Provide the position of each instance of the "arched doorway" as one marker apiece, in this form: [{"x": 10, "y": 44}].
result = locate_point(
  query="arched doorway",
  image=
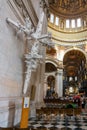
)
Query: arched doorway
[
  {"x": 74, "y": 63},
  {"x": 49, "y": 86}
]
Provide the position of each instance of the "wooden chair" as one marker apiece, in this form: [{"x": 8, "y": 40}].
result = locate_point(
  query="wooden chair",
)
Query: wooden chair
[
  {"x": 8, "y": 128},
  {"x": 34, "y": 129},
  {"x": 77, "y": 111},
  {"x": 39, "y": 113},
  {"x": 69, "y": 112},
  {"x": 61, "y": 112},
  {"x": 16, "y": 128},
  {"x": 41, "y": 128},
  {"x": 54, "y": 128},
  {"x": 66, "y": 128}
]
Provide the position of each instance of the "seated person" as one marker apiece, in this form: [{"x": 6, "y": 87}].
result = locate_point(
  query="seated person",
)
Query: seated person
[{"x": 69, "y": 106}]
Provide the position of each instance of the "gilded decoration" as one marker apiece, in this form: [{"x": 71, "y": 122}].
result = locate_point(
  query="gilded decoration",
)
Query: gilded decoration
[
  {"x": 72, "y": 5},
  {"x": 51, "y": 51},
  {"x": 21, "y": 8},
  {"x": 69, "y": 7}
]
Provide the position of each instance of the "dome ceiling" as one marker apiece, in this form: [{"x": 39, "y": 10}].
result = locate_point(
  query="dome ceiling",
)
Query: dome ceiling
[{"x": 68, "y": 8}]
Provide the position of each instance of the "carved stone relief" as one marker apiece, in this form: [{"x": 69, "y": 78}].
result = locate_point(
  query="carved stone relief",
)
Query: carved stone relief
[
  {"x": 69, "y": 8},
  {"x": 21, "y": 8},
  {"x": 71, "y": 5}
]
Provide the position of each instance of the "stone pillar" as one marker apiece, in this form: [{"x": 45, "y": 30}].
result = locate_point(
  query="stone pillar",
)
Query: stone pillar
[
  {"x": 59, "y": 82},
  {"x": 80, "y": 2},
  {"x": 60, "y": 2},
  {"x": 45, "y": 86}
]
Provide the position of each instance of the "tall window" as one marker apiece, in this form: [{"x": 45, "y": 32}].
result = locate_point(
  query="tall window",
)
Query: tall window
[
  {"x": 51, "y": 18},
  {"x": 73, "y": 23},
  {"x": 57, "y": 21},
  {"x": 70, "y": 78},
  {"x": 75, "y": 78},
  {"x": 67, "y": 23},
  {"x": 79, "y": 22}
]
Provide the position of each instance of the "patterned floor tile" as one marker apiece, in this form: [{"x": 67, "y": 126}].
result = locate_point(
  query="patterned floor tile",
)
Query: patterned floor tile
[{"x": 61, "y": 123}]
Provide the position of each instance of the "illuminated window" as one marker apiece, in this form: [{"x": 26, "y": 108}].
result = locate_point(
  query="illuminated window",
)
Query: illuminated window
[
  {"x": 79, "y": 22},
  {"x": 57, "y": 21},
  {"x": 75, "y": 78},
  {"x": 67, "y": 23},
  {"x": 70, "y": 78},
  {"x": 51, "y": 18},
  {"x": 73, "y": 23}
]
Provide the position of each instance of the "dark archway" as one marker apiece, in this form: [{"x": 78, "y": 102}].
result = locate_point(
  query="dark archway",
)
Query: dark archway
[{"x": 49, "y": 67}]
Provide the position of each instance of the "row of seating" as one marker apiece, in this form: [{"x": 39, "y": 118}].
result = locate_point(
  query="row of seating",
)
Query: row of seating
[
  {"x": 58, "y": 101},
  {"x": 58, "y": 111},
  {"x": 13, "y": 128},
  {"x": 34, "y": 128}
]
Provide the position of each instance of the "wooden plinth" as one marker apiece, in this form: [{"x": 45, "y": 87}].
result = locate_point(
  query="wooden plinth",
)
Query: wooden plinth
[{"x": 25, "y": 113}]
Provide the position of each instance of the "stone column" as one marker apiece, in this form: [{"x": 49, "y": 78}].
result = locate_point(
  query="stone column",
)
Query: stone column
[
  {"x": 56, "y": 82},
  {"x": 80, "y": 2},
  {"x": 59, "y": 82},
  {"x": 45, "y": 86},
  {"x": 60, "y": 2},
  {"x": 37, "y": 82}
]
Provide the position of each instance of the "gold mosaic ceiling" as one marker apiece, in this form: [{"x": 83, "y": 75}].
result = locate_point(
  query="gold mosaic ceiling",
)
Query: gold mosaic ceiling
[{"x": 68, "y": 8}]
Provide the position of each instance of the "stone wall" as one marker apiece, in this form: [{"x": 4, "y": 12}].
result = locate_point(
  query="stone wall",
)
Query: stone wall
[
  {"x": 11, "y": 68},
  {"x": 12, "y": 49}
]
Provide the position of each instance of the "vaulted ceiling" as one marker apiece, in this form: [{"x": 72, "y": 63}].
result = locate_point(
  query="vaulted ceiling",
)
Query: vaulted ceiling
[{"x": 72, "y": 62}]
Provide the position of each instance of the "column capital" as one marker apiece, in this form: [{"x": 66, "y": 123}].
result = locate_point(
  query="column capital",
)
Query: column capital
[{"x": 59, "y": 72}]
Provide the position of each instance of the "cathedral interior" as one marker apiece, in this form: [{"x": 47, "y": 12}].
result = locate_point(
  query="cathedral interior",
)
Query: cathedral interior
[{"x": 43, "y": 68}]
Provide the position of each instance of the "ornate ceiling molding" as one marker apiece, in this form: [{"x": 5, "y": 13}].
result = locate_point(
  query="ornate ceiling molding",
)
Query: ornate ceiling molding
[
  {"x": 69, "y": 8},
  {"x": 31, "y": 11},
  {"x": 74, "y": 40},
  {"x": 23, "y": 9},
  {"x": 70, "y": 42},
  {"x": 68, "y": 30},
  {"x": 68, "y": 39}
]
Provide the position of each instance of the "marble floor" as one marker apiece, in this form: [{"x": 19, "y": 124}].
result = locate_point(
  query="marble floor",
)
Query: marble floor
[{"x": 60, "y": 123}]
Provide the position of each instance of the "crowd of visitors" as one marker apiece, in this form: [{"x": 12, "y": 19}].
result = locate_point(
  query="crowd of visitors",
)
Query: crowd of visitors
[{"x": 80, "y": 100}]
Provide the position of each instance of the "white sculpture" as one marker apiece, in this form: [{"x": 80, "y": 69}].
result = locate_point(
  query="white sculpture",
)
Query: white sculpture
[
  {"x": 27, "y": 29},
  {"x": 33, "y": 57}
]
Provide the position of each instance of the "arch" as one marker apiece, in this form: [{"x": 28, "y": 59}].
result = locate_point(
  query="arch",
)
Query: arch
[
  {"x": 52, "y": 62},
  {"x": 50, "y": 66},
  {"x": 72, "y": 60},
  {"x": 75, "y": 48}
]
